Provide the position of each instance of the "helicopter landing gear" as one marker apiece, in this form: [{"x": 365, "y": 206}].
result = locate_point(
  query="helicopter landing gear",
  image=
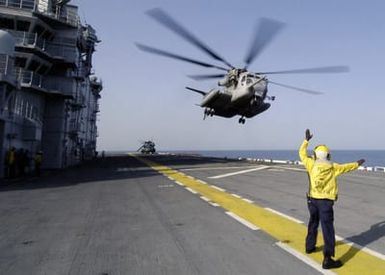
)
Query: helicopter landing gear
[
  {"x": 242, "y": 120},
  {"x": 209, "y": 112}
]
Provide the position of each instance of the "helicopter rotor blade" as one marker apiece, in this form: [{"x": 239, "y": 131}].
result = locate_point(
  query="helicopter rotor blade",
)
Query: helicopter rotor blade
[
  {"x": 166, "y": 20},
  {"x": 264, "y": 34},
  {"x": 307, "y": 91},
  {"x": 203, "y": 93},
  {"x": 179, "y": 57},
  {"x": 206, "y": 76},
  {"x": 328, "y": 69}
]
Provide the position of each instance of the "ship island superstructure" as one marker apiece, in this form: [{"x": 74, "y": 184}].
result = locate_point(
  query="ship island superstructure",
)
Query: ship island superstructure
[{"x": 48, "y": 91}]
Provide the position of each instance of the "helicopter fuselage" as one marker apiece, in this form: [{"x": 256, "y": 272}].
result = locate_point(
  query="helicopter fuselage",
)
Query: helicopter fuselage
[{"x": 242, "y": 96}]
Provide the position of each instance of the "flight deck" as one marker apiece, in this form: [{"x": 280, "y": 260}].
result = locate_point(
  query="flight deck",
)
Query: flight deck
[{"x": 183, "y": 214}]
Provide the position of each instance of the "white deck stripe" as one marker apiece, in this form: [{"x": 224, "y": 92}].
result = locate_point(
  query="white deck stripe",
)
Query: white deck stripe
[
  {"x": 192, "y": 191},
  {"x": 291, "y": 168},
  {"x": 177, "y": 182},
  {"x": 303, "y": 258},
  {"x": 218, "y": 188},
  {"x": 284, "y": 215},
  {"x": 204, "y": 198},
  {"x": 217, "y": 168},
  {"x": 237, "y": 196},
  {"x": 242, "y": 221},
  {"x": 239, "y": 172},
  {"x": 247, "y": 200},
  {"x": 201, "y": 181},
  {"x": 367, "y": 250},
  {"x": 213, "y": 204},
  {"x": 124, "y": 169}
]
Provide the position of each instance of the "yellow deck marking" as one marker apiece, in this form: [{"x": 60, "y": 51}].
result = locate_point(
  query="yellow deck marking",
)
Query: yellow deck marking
[{"x": 292, "y": 234}]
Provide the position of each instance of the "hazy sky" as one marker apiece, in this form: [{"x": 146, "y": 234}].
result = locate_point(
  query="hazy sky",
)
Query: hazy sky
[{"x": 144, "y": 96}]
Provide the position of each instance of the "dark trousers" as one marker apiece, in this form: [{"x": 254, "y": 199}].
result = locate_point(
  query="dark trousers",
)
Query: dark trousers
[{"x": 321, "y": 210}]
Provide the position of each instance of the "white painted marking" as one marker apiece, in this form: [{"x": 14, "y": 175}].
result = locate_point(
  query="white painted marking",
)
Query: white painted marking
[
  {"x": 242, "y": 221},
  {"x": 165, "y": 185},
  {"x": 247, "y": 200},
  {"x": 190, "y": 177},
  {"x": 284, "y": 215},
  {"x": 303, "y": 258},
  {"x": 367, "y": 250},
  {"x": 179, "y": 183},
  {"x": 237, "y": 196},
  {"x": 276, "y": 170},
  {"x": 292, "y": 168},
  {"x": 213, "y": 204},
  {"x": 218, "y": 188},
  {"x": 124, "y": 169},
  {"x": 192, "y": 191},
  {"x": 130, "y": 169},
  {"x": 218, "y": 168},
  {"x": 170, "y": 178},
  {"x": 201, "y": 181},
  {"x": 204, "y": 198},
  {"x": 239, "y": 172}
]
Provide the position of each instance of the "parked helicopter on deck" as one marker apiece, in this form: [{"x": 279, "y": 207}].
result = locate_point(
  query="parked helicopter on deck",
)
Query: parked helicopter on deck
[
  {"x": 241, "y": 92},
  {"x": 147, "y": 147}
]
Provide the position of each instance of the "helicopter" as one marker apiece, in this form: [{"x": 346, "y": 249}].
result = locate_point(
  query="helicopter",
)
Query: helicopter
[
  {"x": 148, "y": 147},
  {"x": 240, "y": 92}
]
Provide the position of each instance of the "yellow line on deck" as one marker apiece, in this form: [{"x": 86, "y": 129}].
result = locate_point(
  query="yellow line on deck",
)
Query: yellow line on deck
[{"x": 356, "y": 261}]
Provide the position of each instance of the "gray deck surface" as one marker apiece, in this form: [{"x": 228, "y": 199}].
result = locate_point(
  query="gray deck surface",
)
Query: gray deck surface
[{"x": 95, "y": 219}]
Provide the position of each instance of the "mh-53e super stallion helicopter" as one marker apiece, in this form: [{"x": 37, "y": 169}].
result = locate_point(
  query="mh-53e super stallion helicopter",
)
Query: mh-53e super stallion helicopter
[
  {"x": 243, "y": 93},
  {"x": 147, "y": 147}
]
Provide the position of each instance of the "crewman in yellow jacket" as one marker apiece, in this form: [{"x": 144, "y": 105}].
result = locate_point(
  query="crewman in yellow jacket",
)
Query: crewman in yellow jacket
[{"x": 323, "y": 191}]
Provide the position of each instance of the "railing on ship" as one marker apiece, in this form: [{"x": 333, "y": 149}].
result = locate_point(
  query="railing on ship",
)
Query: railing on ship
[
  {"x": 6, "y": 65},
  {"x": 63, "y": 47},
  {"x": 51, "y": 84},
  {"x": 66, "y": 14}
]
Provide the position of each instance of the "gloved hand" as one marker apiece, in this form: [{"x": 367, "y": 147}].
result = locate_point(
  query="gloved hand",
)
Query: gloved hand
[
  {"x": 360, "y": 162},
  {"x": 308, "y": 136}
]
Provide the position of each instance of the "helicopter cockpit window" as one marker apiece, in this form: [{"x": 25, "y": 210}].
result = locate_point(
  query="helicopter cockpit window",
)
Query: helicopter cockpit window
[
  {"x": 243, "y": 79},
  {"x": 248, "y": 81}
]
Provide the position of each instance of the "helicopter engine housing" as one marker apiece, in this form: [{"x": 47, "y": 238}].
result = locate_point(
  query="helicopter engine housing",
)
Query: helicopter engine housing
[{"x": 209, "y": 97}]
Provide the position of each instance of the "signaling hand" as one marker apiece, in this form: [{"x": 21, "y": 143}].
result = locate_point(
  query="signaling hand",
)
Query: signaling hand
[
  {"x": 308, "y": 136},
  {"x": 360, "y": 162}
]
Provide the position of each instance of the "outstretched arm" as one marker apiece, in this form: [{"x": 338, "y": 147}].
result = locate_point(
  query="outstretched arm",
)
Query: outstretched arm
[
  {"x": 347, "y": 167},
  {"x": 308, "y": 136},
  {"x": 307, "y": 162}
]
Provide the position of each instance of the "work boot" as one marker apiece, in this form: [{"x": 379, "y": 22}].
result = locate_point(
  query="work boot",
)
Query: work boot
[
  {"x": 330, "y": 263},
  {"x": 309, "y": 251}
]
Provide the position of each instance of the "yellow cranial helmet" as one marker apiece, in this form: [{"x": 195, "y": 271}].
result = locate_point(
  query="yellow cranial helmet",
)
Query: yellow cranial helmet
[{"x": 322, "y": 152}]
